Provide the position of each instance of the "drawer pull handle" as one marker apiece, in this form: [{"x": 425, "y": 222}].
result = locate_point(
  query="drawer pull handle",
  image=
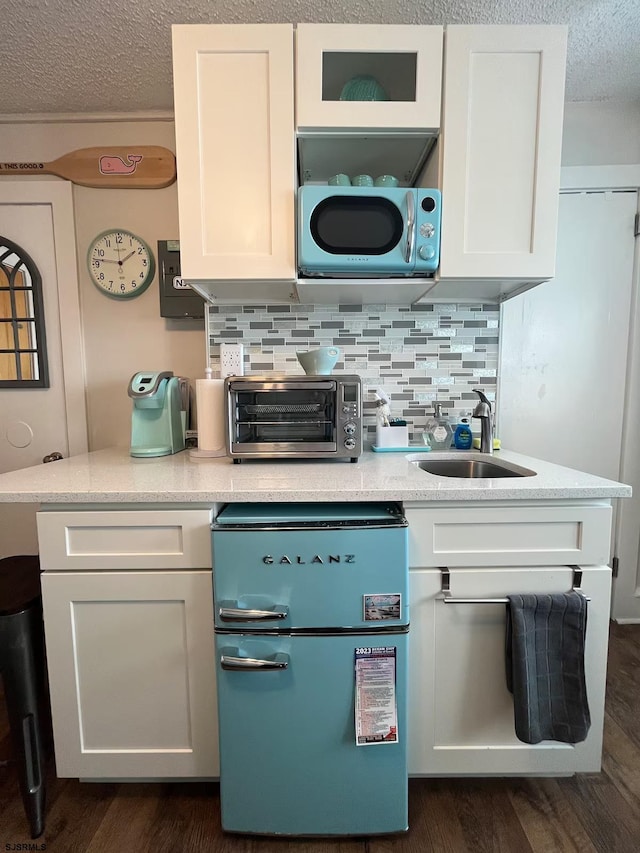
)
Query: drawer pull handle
[
  {"x": 239, "y": 614},
  {"x": 231, "y": 662}
]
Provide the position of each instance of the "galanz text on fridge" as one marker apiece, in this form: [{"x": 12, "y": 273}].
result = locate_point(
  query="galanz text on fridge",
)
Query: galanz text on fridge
[{"x": 299, "y": 561}]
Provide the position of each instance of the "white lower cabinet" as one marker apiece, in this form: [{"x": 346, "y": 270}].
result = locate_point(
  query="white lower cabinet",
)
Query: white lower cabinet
[
  {"x": 130, "y": 658},
  {"x": 130, "y": 646},
  {"x": 461, "y": 719}
]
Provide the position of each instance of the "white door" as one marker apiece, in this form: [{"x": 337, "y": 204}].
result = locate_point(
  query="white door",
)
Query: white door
[
  {"x": 565, "y": 344},
  {"x": 37, "y": 216}
]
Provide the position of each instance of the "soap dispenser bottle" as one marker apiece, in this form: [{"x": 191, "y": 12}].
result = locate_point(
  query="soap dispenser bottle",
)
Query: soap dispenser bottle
[
  {"x": 462, "y": 437},
  {"x": 438, "y": 432}
]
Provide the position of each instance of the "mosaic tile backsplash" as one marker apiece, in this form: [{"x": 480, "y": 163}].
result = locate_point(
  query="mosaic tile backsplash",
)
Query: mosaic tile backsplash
[{"x": 418, "y": 354}]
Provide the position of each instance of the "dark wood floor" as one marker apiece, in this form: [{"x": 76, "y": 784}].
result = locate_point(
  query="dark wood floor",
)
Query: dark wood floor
[{"x": 594, "y": 812}]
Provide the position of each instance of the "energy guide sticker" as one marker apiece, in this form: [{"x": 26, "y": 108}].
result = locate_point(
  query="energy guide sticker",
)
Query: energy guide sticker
[{"x": 376, "y": 703}]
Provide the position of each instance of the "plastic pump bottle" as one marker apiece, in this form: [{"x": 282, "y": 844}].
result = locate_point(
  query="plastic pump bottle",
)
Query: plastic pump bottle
[
  {"x": 462, "y": 437},
  {"x": 438, "y": 433}
]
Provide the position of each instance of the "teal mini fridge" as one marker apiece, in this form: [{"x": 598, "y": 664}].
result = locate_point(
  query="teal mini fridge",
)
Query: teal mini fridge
[{"x": 312, "y": 621}]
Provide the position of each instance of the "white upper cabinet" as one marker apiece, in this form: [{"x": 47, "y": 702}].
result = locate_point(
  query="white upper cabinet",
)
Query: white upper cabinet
[
  {"x": 235, "y": 143},
  {"x": 500, "y": 149},
  {"x": 240, "y": 155},
  {"x": 399, "y": 65}
]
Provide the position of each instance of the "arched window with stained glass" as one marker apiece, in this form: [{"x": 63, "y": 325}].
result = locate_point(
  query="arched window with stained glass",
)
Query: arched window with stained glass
[{"x": 23, "y": 351}]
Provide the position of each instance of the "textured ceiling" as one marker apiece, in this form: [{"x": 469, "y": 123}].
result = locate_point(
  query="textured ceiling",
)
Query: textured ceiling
[{"x": 93, "y": 56}]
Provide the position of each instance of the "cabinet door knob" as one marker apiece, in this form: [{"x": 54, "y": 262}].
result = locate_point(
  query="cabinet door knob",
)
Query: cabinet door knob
[{"x": 52, "y": 457}]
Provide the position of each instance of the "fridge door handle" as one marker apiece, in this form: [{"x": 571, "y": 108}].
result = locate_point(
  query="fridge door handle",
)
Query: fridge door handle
[
  {"x": 278, "y": 661},
  {"x": 240, "y": 614}
]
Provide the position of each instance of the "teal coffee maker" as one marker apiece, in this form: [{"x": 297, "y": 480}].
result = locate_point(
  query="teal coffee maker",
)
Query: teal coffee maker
[{"x": 160, "y": 408}]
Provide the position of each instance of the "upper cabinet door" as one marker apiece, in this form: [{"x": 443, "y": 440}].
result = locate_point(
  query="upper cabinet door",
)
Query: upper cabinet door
[
  {"x": 402, "y": 64},
  {"x": 233, "y": 94},
  {"x": 501, "y": 138}
]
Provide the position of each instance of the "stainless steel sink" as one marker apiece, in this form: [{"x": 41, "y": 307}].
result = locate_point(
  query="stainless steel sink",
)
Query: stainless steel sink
[{"x": 476, "y": 466}]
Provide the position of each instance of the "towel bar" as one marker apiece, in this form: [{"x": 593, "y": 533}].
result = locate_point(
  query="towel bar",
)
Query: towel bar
[{"x": 448, "y": 599}]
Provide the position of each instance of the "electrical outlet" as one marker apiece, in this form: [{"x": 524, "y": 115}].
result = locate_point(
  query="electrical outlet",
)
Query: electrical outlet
[{"x": 231, "y": 360}]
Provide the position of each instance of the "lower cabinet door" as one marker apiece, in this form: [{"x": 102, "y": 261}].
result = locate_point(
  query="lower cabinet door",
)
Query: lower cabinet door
[
  {"x": 130, "y": 657},
  {"x": 461, "y": 717}
]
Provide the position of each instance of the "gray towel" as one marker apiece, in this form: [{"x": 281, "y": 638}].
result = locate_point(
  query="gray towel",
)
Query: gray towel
[{"x": 545, "y": 666}]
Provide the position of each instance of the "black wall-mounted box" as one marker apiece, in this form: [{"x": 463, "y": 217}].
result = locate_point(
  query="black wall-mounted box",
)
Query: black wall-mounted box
[{"x": 176, "y": 297}]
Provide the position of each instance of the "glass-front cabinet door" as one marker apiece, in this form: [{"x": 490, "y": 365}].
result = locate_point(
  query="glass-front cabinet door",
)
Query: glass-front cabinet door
[{"x": 382, "y": 77}]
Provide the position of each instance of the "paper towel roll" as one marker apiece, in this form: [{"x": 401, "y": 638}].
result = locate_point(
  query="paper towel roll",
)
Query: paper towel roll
[{"x": 210, "y": 409}]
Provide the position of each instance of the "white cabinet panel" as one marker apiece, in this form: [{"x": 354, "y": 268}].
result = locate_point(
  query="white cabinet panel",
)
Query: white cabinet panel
[
  {"x": 502, "y": 134},
  {"x": 233, "y": 93},
  {"x": 405, "y": 60},
  {"x": 131, "y": 671},
  {"x": 504, "y": 535},
  {"x": 125, "y": 539},
  {"x": 461, "y": 718}
]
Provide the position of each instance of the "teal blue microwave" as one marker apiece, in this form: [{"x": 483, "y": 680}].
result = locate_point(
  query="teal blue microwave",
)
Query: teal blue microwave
[{"x": 368, "y": 231}]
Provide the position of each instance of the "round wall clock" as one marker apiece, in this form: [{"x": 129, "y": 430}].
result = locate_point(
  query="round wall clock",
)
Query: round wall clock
[{"x": 120, "y": 263}]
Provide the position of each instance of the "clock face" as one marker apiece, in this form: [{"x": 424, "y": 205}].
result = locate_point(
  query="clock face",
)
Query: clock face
[{"x": 120, "y": 264}]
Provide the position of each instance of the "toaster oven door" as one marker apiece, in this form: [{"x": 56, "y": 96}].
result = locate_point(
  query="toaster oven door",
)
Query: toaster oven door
[{"x": 281, "y": 419}]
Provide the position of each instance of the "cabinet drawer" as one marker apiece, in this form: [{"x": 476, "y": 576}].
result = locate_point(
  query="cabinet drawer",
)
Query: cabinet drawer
[
  {"x": 131, "y": 539},
  {"x": 507, "y": 536}
]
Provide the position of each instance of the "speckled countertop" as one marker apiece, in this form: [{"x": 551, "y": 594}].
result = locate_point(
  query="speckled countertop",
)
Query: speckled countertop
[{"x": 112, "y": 476}]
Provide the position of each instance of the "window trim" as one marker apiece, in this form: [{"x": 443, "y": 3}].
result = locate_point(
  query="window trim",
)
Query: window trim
[{"x": 8, "y": 247}]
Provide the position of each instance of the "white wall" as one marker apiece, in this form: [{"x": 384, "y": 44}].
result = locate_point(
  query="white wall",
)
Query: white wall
[
  {"x": 601, "y": 134},
  {"x": 120, "y": 338}
]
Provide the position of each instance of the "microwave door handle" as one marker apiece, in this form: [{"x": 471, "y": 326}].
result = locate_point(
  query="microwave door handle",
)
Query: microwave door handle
[{"x": 411, "y": 230}]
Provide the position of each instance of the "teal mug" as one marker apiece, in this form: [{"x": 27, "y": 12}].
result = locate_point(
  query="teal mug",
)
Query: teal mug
[
  {"x": 362, "y": 181},
  {"x": 340, "y": 180},
  {"x": 386, "y": 181}
]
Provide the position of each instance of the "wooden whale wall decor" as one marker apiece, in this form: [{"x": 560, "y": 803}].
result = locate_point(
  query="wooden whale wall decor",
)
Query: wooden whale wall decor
[{"x": 139, "y": 167}]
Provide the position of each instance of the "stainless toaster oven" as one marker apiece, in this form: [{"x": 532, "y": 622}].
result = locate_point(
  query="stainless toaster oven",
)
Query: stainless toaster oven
[{"x": 271, "y": 417}]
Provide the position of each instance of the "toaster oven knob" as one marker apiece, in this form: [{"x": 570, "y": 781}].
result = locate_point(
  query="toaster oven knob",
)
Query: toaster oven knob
[
  {"x": 350, "y": 428},
  {"x": 427, "y": 229},
  {"x": 350, "y": 443},
  {"x": 427, "y": 253}
]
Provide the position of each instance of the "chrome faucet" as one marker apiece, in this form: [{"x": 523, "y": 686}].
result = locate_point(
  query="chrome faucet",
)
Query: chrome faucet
[{"x": 483, "y": 412}]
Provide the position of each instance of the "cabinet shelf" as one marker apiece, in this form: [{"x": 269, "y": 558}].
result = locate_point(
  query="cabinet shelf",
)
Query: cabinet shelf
[
  {"x": 357, "y": 291},
  {"x": 321, "y": 155},
  {"x": 362, "y": 291}
]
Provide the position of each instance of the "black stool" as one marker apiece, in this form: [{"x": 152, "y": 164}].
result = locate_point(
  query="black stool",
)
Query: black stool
[{"x": 22, "y": 670}]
